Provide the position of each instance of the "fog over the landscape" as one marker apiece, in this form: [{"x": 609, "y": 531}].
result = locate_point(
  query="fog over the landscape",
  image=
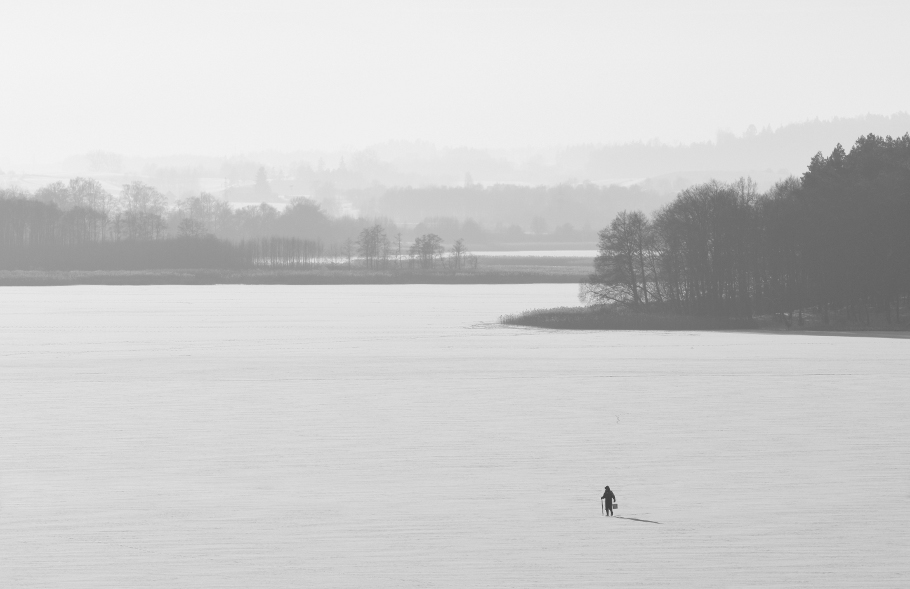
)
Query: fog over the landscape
[
  {"x": 344, "y": 102},
  {"x": 236, "y": 78},
  {"x": 466, "y": 118}
]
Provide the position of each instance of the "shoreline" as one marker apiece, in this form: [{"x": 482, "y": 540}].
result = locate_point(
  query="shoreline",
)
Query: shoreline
[
  {"x": 880, "y": 333},
  {"x": 872, "y": 333},
  {"x": 279, "y": 277},
  {"x": 588, "y": 319}
]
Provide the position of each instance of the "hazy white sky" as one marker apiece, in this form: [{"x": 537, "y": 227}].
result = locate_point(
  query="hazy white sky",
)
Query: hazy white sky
[{"x": 224, "y": 77}]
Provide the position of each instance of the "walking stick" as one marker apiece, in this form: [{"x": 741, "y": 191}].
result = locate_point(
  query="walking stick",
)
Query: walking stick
[{"x": 602, "y": 508}]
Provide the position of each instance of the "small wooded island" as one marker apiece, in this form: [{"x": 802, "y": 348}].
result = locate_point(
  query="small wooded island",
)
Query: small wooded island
[{"x": 827, "y": 251}]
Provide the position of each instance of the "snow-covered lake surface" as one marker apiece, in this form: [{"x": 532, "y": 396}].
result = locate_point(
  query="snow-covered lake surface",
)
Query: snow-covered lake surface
[{"x": 394, "y": 436}]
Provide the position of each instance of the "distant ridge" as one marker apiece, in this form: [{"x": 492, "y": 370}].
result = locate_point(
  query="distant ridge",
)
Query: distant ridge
[
  {"x": 764, "y": 154},
  {"x": 782, "y": 151}
]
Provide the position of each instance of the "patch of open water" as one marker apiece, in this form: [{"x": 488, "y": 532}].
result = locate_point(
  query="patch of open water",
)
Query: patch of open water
[{"x": 539, "y": 254}]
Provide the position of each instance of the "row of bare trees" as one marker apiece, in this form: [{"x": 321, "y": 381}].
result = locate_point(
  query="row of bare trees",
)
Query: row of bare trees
[
  {"x": 58, "y": 230},
  {"x": 81, "y": 212},
  {"x": 281, "y": 252},
  {"x": 372, "y": 250},
  {"x": 836, "y": 239},
  {"x": 376, "y": 250},
  {"x": 86, "y": 212},
  {"x": 35, "y": 230}
]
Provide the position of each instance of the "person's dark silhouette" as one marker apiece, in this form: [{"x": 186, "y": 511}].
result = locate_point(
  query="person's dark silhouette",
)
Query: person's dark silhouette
[{"x": 608, "y": 498}]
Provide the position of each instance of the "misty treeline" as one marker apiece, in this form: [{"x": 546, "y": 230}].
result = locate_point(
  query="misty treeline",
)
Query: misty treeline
[
  {"x": 372, "y": 250},
  {"x": 493, "y": 216},
  {"x": 377, "y": 250},
  {"x": 835, "y": 240},
  {"x": 511, "y": 213},
  {"x": 360, "y": 175},
  {"x": 141, "y": 211},
  {"x": 79, "y": 225},
  {"x": 755, "y": 149}
]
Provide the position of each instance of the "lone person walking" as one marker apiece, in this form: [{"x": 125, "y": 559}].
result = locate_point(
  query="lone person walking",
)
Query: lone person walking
[{"x": 608, "y": 498}]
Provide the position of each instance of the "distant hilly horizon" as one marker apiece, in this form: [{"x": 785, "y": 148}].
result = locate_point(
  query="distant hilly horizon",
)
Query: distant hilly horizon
[{"x": 766, "y": 155}]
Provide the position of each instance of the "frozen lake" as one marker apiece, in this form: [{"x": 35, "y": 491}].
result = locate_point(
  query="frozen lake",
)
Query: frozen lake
[{"x": 394, "y": 436}]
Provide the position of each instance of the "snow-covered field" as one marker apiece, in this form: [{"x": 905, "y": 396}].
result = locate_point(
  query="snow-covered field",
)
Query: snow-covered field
[{"x": 394, "y": 436}]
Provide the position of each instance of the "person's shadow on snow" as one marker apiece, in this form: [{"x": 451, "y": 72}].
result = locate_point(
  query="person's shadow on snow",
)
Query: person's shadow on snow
[{"x": 635, "y": 519}]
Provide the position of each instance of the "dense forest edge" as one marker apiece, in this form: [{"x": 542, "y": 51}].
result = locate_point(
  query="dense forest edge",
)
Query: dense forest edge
[{"x": 827, "y": 251}]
